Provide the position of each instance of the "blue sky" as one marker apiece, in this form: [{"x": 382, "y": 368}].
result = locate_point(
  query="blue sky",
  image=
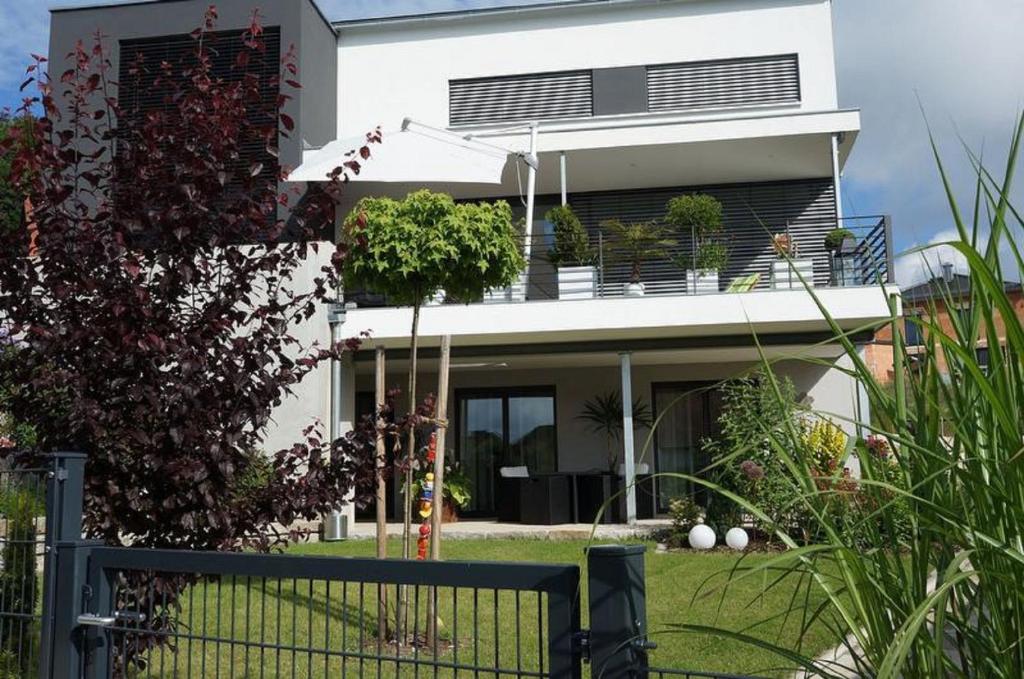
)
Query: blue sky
[{"x": 958, "y": 60}]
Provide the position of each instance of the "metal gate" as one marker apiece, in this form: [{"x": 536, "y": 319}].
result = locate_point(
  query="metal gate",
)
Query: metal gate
[{"x": 111, "y": 612}]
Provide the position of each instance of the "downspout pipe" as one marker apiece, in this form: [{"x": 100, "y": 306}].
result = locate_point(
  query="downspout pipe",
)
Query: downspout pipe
[{"x": 334, "y": 528}]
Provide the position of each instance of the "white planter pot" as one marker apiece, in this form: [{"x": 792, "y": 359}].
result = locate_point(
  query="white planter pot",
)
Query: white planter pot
[
  {"x": 437, "y": 299},
  {"x": 701, "y": 282},
  {"x": 633, "y": 290},
  {"x": 784, "y": 274},
  {"x": 577, "y": 282},
  {"x": 514, "y": 293}
]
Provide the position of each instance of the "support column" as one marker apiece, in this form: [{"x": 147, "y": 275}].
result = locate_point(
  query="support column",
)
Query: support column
[
  {"x": 565, "y": 189},
  {"x": 837, "y": 175},
  {"x": 347, "y": 418},
  {"x": 863, "y": 401},
  {"x": 629, "y": 464},
  {"x": 343, "y": 404}
]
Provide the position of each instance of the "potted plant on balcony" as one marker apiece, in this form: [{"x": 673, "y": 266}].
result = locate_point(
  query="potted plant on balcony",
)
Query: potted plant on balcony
[
  {"x": 516, "y": 291},
  {"x": 789, "y": 268},
  {"x": 636, "y": 243},
  {"x": 572, "y": 255},
  {"x": 701, "y": 216}
]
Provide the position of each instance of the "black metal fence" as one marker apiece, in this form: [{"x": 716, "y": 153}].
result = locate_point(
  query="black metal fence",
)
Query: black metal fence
[
  {"x": 111, "y": 612},
  {"x": 286, "y": 616},
  {"x": 24, "y": 547}
]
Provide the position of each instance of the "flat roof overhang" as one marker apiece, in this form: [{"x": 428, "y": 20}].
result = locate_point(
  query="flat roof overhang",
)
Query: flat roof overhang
[
  {"x": 668, "y": 323},
  {"x": 657, "y": 150},
  {"x": 500, "y": 359}
]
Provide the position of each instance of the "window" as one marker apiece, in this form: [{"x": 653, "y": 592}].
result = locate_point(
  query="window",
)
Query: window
[
  {"x": 963, "y": 312},
  {"x": 139, "y": 95},
  {"x": 521, "y": 97},
  {"x": 504, "y": 427},
  {"x": 912, "y": 330},
  {"x": 982, "y": 356},
  {"x": 724, "y": 83}
]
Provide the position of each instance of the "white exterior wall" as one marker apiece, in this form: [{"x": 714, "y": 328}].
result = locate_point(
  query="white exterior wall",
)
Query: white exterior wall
[
  {"x": 311, "y": 401},
  {"x": 393, "y": 70}
]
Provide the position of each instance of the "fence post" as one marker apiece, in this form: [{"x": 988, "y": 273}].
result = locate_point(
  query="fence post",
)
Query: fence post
[
  {"x": 64, "y": 568},
  {"x": 618, "y": 611},
  {"x": 564, "y": 656},
  {"x": 890, "y": 262}
]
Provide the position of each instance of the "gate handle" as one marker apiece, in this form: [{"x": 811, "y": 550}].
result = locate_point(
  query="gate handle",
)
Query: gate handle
[{"x": 93, "y": 620}]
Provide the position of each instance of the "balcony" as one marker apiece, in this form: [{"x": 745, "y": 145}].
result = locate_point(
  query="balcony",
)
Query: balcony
[{"x": 864, "y": 260}]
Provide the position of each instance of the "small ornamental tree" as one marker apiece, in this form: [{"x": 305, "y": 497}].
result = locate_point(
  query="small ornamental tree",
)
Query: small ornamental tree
[
  {"x": 410, "y": 249},
  {"x": 12, "y": 202},
  {"x": 154, "y": 318}
]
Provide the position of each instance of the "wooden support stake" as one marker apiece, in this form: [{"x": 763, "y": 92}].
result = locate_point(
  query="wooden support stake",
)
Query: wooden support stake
[
  {"x": 382, "y": 461},
  {"x": 436, "y": 518},
  {"x": 442, "y": 431}
]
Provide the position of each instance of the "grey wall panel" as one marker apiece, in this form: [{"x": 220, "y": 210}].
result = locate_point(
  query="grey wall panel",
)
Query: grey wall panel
[{"x": 620, "y": 90}]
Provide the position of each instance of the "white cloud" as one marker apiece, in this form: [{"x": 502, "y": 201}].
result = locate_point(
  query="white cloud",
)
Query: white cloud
[
  {"x": 963, "y": 60},
  {"x": 917, "y": 267}
]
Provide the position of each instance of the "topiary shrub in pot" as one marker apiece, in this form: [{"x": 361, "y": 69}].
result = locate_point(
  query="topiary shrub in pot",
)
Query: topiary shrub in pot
[
  {"x": 572, "y": 255},
  {"x": 700, "y": 216},
  {"x": 841, "y": 244}
]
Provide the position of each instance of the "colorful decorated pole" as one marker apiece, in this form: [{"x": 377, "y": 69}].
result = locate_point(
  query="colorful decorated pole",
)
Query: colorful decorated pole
[{"x": 427, "y": 501}]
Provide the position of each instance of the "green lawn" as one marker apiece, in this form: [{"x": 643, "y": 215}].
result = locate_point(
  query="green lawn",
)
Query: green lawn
[{"x": 239, "y": 615}]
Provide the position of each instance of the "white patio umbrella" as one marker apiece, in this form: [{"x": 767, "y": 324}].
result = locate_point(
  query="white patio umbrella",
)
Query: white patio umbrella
[{"x": 417, "y": 153}]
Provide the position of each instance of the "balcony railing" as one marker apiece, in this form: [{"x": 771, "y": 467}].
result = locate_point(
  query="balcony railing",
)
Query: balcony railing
[{"x": 865, "y": 259}]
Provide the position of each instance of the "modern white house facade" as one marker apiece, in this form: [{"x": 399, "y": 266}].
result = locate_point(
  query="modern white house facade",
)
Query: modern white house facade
[{"x": 614, "y": 107}]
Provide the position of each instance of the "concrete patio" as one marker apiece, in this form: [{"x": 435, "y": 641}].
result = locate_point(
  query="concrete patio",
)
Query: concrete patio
[{"x": 490, "y": 529}]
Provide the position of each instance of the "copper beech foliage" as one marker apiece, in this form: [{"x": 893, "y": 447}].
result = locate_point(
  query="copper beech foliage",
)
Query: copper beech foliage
[{"x": 154, "y": 316}]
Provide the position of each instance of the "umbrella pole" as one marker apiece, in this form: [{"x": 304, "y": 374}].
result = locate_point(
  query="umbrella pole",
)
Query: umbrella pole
[{"x": 531, "y": 191}]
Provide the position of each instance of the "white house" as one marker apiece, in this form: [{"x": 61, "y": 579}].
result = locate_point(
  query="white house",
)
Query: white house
[{"x": 632, "y": 102}]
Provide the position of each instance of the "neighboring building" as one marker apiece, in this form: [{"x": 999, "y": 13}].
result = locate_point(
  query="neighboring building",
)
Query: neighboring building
[
  {"x": 929, "y": 300},
  {"x": 637, "y": 102}
]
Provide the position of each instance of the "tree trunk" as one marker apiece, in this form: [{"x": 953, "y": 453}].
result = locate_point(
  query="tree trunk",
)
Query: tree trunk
[{"x": 382, "y": 526}]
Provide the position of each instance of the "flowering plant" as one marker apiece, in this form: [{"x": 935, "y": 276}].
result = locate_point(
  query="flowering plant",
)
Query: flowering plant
[{"x": 784, "y": 246}]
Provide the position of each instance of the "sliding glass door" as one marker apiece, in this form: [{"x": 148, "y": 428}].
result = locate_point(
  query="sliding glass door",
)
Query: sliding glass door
[
  {"x": 504, "y": 428},
  {"x": 689, "y": 416}
]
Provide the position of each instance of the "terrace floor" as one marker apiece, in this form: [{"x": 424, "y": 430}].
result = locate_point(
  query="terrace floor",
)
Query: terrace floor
[{"x": 486, "y": 529}]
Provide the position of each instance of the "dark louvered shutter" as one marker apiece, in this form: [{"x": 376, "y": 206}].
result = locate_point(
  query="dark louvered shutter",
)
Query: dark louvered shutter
[
  {"x": 751, "y": 212},
  {"x": 521, "y": 97},
  {"x": 138, "y": 96},
  {"x": 723, "y": 83}
]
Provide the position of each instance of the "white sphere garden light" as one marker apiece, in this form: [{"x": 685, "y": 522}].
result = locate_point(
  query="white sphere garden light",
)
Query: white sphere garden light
[
  {"x": 737, "y": 539},
  {"x": 702, "y": 537}
]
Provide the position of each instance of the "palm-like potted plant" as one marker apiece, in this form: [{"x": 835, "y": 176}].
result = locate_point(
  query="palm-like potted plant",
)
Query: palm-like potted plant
[
  {"x": 789, "y": 268},
  {"x": 603, "y": 415},
  {"x": 636, "y": 243},
  {"x": 701, "y": 216},
  {"x": 572, "y": 255}
]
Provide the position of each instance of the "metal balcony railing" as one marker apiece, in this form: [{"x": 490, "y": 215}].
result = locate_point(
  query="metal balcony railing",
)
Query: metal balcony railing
[{"x": 865, "y": 259}]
